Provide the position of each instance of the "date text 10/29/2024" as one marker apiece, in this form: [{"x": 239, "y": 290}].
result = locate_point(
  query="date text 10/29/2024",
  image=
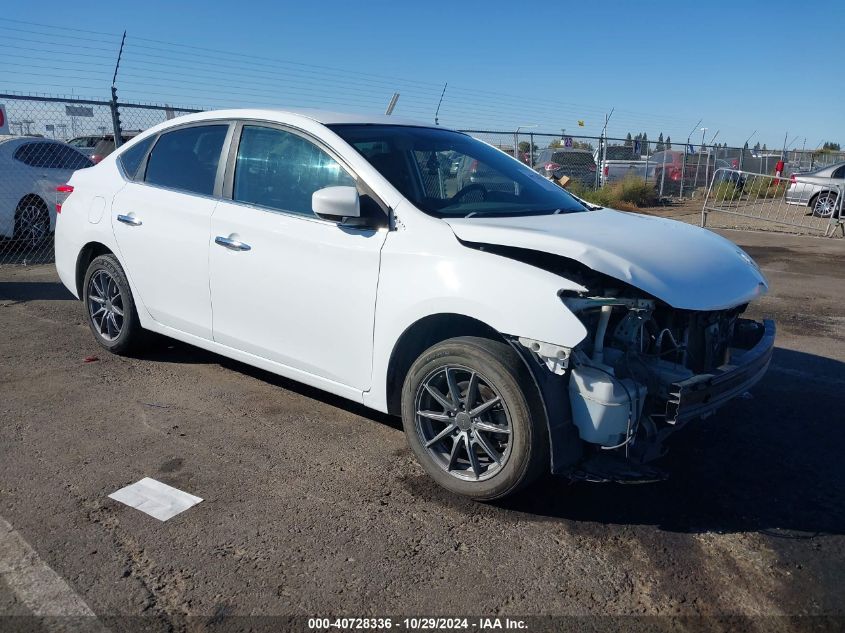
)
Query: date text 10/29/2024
[{"x": 417, "y": 624}]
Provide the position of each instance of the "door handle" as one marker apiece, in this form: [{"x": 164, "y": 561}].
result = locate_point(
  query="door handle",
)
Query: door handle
[
  {"x": 131, "y": 220},
  {"x": 232, "y": 245}
]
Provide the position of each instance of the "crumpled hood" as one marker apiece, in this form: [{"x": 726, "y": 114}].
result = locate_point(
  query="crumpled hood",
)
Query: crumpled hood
[{"x": 686, "y": 266}]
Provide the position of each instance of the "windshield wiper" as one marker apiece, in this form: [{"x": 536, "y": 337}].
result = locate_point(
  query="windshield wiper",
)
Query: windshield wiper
[{"x": 513, "y": 214}]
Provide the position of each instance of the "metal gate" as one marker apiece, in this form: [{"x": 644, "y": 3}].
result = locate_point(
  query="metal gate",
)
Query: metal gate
[{"x": 807, "y": 204}]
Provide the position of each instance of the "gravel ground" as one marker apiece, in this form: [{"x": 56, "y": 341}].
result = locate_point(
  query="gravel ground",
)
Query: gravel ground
[{"x": 315, "y": 506}]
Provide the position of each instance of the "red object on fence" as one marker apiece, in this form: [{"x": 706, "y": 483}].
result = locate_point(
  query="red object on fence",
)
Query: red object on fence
[{"x": 778, "y": 171}]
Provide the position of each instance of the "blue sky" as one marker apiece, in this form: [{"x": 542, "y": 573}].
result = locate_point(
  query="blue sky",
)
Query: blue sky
[{"x": 774, "y": 67}]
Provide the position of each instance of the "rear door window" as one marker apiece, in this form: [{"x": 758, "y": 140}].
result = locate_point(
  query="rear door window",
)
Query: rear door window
[{"x": 187, "y": 159}]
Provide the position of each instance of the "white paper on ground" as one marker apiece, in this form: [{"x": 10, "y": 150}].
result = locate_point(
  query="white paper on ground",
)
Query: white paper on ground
[{"x": 155, "y": 498}]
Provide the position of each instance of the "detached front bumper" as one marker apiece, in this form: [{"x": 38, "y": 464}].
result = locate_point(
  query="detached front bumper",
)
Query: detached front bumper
[{"x": 699, "y": 396}]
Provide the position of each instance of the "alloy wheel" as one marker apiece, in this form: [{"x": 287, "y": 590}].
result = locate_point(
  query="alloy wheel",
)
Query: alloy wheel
[
  {"x": 463, "y": 423},
  {"x": 825, "y": 205},
  {"x": 105, "y": 305},
  {"x": 33, "y": 225}
]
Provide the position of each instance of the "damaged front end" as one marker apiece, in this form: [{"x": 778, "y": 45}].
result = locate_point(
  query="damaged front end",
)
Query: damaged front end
[{"x": 645, "y": 370}]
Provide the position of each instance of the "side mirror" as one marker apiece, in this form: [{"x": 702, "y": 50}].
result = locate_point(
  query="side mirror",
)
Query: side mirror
[{"x": 336, "y": 203}]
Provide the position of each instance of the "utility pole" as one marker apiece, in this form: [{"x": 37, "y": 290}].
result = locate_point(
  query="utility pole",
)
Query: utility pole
[
  {"x": 603, "y": 147},
  {"x": 742, "y": 151},
  {"x": 698, "y": 162},
  {"x": 684, "y": 165},
  {"x": 707, "y": 164}
]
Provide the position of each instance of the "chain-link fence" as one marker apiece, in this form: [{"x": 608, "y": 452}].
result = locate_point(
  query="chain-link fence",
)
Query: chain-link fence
[
  {"x": 804, "y": 204},
  {"x": 47, "y": 139},
  {"x": 678, "y": 170}
]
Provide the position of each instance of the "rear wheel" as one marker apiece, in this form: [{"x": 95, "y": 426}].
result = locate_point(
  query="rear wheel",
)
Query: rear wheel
[
  {"x": 32, "y": 222},
  {"x": 473, "y": 418},
  {"x": 109, "y": 306},
  {"x": 824, "y": 204}
]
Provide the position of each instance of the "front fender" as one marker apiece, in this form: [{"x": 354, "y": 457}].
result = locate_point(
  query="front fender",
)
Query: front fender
[{"x": 435, "y": 275}]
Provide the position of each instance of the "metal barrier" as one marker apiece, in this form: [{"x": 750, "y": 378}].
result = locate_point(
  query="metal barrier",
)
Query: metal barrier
[{"x": 811, "y": 204}]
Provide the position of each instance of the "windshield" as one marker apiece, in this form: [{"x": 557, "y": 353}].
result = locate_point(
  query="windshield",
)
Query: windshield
[{"x": 448, "y": 174}]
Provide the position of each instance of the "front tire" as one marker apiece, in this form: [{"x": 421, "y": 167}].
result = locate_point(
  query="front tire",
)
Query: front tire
[
  {"x": 473, "y": 418},
  {"x": 109, "y": 306}
]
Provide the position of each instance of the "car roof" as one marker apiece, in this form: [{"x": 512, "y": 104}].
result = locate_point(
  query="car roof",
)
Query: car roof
[
  {"x": 326, "y": 117},
  {"x": 5, "y": 138}
]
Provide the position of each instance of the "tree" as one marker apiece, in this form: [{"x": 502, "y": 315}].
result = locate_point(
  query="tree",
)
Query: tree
[
  {"x": 831, "y": 146},
  {"x": 764, "y": 147},
  {"x": 660, "y": 146},
  {"x": 555, "y": 143},
  {"x": 628, "y": 141},
  {"x": 757, "y": 146},
  {"x": 668, "y": 142},
  {"x": 525, "y": 147}
]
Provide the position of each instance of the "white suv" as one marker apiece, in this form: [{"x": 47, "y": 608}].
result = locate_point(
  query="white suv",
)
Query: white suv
[{"x": 514, "y": 330}]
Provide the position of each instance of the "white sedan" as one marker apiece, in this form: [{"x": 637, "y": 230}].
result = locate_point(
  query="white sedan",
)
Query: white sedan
[
  {"x": 30, "y": 169},
  {"x": 514, "y": 330}
]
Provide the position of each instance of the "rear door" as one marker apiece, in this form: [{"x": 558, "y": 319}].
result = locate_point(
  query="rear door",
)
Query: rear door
[{"x": 161, "y": 223}]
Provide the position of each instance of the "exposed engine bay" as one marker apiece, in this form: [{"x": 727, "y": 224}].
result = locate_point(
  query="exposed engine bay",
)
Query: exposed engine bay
[
  {"x": 646, "y": 368},
  {"x": 633, "y": 380}
]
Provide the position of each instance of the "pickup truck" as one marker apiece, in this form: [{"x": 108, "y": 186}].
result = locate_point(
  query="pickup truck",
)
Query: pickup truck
[{"x": 619, "y": 162}]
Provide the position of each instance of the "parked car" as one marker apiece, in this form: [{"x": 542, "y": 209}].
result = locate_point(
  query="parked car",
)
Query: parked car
[
  {"x": 818, "y": 189},
  {"x": 30, "y": 170},
  {"x": 668, "y": 167},
  {"x": 97, "y": 147},
  {"x": 558, "y": 162},
  {"x": 513, "y": 331}
]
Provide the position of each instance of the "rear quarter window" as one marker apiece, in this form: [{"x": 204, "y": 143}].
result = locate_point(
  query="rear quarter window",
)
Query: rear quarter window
[{"x": 130, "y": 160}]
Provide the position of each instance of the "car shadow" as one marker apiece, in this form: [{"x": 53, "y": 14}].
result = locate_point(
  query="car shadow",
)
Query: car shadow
[
  {"x": 772, "y": 462},
  {"x": 34, "y": 291}
]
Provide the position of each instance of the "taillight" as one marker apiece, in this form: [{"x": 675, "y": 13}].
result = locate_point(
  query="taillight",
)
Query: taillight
[
  {"x": 792, "y": 179},
  {"x": 473, "y": 166},
  {"x": 96, "y": 158},
  {"x": 604, "y": 171},
  {"x": 551, "y": 167},
  {"x": 62, "y": 192}
]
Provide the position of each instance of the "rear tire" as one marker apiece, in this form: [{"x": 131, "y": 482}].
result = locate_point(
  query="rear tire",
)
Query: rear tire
[
  {"x": 32, "y": 222},
  {"x": 474, "y": 419},
  {"x": 824, "y": 204},
  {"x": 110, "y": 307}
]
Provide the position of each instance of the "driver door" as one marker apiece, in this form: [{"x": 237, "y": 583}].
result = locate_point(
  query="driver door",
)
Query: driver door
[{"x": 293, "y": 288}]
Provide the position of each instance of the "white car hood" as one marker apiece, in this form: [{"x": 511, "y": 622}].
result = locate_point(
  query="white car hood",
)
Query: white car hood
[{"x": 686, "y": 266}]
